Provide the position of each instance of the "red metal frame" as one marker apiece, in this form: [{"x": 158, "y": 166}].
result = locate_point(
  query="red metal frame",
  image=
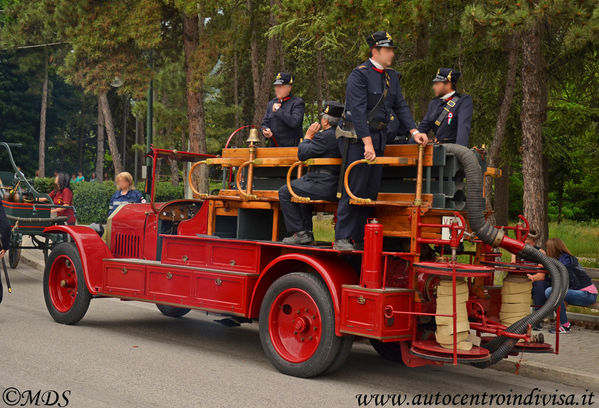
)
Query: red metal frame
[
  {"x": 156, "y": 153},
  {"x": 231, "y": 276},
  {"x": 91, "y": 250}
]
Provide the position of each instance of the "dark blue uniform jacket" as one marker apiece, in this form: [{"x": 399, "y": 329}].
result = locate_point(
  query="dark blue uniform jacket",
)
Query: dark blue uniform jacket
[
  {"x": 286, "y": 122},
  {"x": 320, "y": 180},
  {"x": 452, "y": 130},
  {"x": 365, "y": 86},
  {"x": 132, "y": 196}
]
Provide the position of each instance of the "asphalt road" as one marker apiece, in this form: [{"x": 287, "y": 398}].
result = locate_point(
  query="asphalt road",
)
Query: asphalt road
[{"x": 127, "y": 354}]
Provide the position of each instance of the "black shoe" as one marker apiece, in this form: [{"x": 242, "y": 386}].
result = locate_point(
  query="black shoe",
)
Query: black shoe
[
  {"x": 343, "y": 245},
  {"x": 537, "y": 327},
  {"x": 299, "y": 238},
  {"x": 562, "y": 329}
]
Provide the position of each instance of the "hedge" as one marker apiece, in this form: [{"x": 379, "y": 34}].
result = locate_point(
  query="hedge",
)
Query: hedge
[
  {"x": 44, "y": 185},
  {"x": 91, "y": 199}
]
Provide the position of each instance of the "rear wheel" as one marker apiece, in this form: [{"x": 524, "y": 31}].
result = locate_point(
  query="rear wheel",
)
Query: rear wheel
[
  {"x": 297, "y": 326},
  {"x": 65, "y": 292},
  {"x": 389, "y": 351},
  {"x": 14, "y": 256},
  {"x": 172, "y": 311}
]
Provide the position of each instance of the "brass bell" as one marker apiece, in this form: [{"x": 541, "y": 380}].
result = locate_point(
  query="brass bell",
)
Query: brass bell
[{"x": 253, "y": 137}]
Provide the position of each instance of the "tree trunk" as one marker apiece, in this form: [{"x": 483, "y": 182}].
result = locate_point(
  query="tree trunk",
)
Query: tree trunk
[
  {"x": 534, "y": 103},
  {"x": 261, "y": 82},
  {"x": 560, "y": 200},
  {"x": 109, "y": 126},
  {"x": 174, "y": 172},
  {"x": 319, "y": 74},
  {"x": 195, "y": 97},
  {"x": 43, "y": 111},
  {"x": 236, "y": 90},
  {"x": 81, "y": 139},
  {"x": 422, "y": 48},
  {"x": 512, "y": 49},
  {"x": 100, "y": 148},
  {"x": 502, "y": 197}
]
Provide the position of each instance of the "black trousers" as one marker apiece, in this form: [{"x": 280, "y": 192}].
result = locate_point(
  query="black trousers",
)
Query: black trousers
[
  {"x": 365, "y": 182},
  {"x": 298, "y": 217}
]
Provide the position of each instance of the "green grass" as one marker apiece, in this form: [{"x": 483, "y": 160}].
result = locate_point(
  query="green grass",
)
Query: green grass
[
  {"x": 581, "y": 238},
  {"x": 324, "y": 230}
]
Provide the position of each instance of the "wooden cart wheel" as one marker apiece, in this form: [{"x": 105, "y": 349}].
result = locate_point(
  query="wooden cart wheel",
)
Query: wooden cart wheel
[{"x": 14, "y": 256}]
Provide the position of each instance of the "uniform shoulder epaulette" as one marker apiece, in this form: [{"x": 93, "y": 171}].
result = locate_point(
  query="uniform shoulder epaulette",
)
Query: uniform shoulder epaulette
[{"x": 362, "y": 67}]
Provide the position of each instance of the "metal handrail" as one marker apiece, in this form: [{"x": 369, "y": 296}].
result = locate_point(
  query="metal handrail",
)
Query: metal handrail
[
  {"x": 321, "y": 161},
  {"x": 385, "y": 161}
]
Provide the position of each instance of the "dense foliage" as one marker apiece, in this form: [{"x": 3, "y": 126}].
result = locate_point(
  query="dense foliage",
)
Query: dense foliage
[{"x": 212, "y": 62}]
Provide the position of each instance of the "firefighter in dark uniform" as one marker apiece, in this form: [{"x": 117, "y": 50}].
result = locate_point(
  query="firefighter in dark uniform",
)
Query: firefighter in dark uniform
[
  {"x": 282, "y": 123},
  {"x": 450, "y": 113},
  {"x": 320, "y": 183},
  {"x": 369, "y": 83}
]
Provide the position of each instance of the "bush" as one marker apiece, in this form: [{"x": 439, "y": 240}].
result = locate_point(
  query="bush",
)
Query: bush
[
  {"x": 165, "y": 191},
  {"x": 91, "y": 201},
  {"x": 44, "y": 185}
]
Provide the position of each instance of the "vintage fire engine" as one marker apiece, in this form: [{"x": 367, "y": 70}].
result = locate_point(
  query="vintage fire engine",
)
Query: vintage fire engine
[{"x": 221, "y": 253}]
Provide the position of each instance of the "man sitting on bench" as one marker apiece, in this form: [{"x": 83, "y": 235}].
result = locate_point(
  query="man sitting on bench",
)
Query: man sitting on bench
[{"x": 320, "y": 183}]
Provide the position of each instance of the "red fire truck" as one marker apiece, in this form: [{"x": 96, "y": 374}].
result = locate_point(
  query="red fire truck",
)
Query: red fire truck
[{"x": 221, "y": 253}]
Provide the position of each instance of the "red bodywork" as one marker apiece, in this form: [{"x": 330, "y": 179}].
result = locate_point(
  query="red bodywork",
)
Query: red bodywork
[{"x": 160, "y": 253}]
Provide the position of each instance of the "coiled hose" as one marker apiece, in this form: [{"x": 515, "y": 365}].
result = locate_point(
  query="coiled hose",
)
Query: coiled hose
[{"x": 500, "y": 346}]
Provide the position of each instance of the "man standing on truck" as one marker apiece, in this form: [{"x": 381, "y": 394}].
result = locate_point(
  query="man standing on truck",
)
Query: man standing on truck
[
  {"x": 373, "y": 101},
  {"x": 320, "y": 183},
  {"x": 450, "y": 113},
  {"x": 282, "y": 123}
]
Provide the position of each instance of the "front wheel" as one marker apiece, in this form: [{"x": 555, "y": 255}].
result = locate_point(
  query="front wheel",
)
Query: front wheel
[
  {"x": 66, "y": 294},
  {"x": 172, "y": 311},
  {"x": 297, "y": 326}
]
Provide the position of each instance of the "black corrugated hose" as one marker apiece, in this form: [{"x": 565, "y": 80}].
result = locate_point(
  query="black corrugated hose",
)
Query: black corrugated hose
[{"x": 500, "y": 346}]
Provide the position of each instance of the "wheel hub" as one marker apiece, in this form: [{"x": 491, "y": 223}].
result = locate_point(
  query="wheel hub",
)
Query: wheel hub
[
  {"x": 294, "y": 323},
  {"x": 62, "y": 283}
]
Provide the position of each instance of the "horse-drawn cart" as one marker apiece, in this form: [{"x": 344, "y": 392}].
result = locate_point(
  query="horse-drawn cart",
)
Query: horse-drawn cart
[{"x": 28, "y": 210}]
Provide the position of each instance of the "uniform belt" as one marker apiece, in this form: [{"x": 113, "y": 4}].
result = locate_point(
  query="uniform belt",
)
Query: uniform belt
[
  {"x": 375, "y": 125},
  {"x": 444, "y": 140},
  {"x": 321, "y": 170}
]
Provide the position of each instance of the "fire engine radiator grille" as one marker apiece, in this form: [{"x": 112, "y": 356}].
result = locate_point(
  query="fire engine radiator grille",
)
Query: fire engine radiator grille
[{"x": 126, "y": 245}]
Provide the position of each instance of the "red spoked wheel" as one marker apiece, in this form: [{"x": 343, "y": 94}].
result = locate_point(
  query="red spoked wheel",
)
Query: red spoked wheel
[
  {"x": 295, "y": 322},
  {"x": 297, "y": 327},
  {"x": 65, "y": 292},
  {"x": 62, "y": 283}
]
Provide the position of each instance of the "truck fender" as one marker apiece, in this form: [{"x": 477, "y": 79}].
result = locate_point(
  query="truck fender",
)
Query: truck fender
[
  {"x": 333, "y": 270},
  {"x": 92, "y": 250}
]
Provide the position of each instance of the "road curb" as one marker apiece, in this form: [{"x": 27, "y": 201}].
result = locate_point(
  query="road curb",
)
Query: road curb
[
  {"x": 33, "y": 262},
  {"x": 540, "y": 371}
]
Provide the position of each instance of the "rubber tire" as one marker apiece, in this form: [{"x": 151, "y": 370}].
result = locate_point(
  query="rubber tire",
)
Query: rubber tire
[
  {"x": 388, "y": 351},
  {"x": 83, "y": 296},
  {"x": 330, "y": 344},
  {"x": 172, "y": 311},
  {"x": 344, "y": 352},
  {"x": 14, "y": 256}
]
